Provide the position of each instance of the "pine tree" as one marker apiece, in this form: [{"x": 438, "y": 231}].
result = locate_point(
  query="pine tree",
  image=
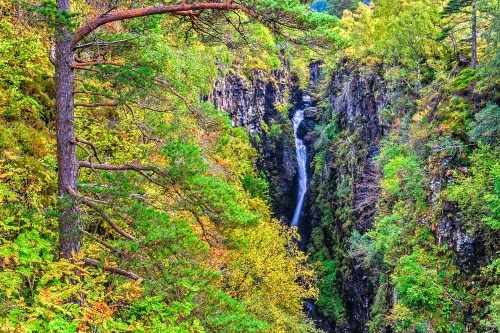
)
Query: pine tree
[
  {"x": 205, "y": 18},
  {"x": 467, "y": 6}
]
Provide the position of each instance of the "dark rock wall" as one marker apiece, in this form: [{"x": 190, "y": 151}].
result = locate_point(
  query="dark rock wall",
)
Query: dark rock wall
[
  {"x": 345, "y": 187},
  {"x": 343, "y": 137},
  {"x": 345, "y": 192},
  {"x": 450, "y": 228},
  {"x": 251, "y": 103},
  {"x": 357, "y": 99}
]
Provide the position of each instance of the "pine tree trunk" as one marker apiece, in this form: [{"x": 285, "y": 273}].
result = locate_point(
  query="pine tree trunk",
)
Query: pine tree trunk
[
  {"x": 69, "y": 231},
  {"x": 473, "y": 60}
]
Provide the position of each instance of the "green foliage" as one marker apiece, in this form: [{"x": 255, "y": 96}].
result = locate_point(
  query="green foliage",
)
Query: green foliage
[
  {"x": 49, "y": 11},
  {"x": 362, "y": 248},
  {"x": 478, "y": 191},
  {"x": 440, "y": 145},
  {"x": 23, "y": 60},
  {"x": 256, "y": 186},
  {"x": 329, "y": 301},
  {"x": 486, "y": 128},
  {"x": 275, "y": 131},
  {"x": 490, "y": 295},
  {"x": 283, "y": 109},
  {"x": 403, "y": 175},
  {"x": 495, "y": 307},
  {"x": 401, "y": 35},
  {"x": 327, "y": 134},
  {"x": 489, "y": 66},
  {"x": 212, "y": 258},
  {"x": 493, "y": 201},
  {"x": 464, "y": 79},
  {"x": 415, "y": 284},
  {"x": 455, "y": 6},
  {"x": 422, "y": 304}
]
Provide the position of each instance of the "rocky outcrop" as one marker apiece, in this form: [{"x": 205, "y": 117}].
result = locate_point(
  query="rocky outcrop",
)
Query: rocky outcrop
[
  {"x": 450, "y": 229},
  {"x": 357, "y": 98},
  {"x": 345, "y": 186},
  {"x": 345, "y": 194},
  {"x": 343, "y": 140},
  {"x": 450, "y": 232},
  {"x": 252, "y": 103}
]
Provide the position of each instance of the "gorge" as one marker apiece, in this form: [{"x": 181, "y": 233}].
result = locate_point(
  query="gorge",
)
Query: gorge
[
  {"x": 258, "y": 166},
  {"x": 344, "y": 152}
]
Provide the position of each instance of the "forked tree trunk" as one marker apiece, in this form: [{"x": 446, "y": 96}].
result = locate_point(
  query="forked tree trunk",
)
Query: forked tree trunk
[{"x": 70, "y": 238}]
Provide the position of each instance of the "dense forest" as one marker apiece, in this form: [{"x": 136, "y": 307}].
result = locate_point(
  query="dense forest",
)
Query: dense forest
[{"x": 150, "y": 166}]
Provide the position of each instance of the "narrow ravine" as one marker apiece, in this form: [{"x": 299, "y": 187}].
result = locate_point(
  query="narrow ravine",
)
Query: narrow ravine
[
  {"x": 299, "y": 219},
  {"x": 301, "y": 152},
  {"x": 301, "y": 155}
]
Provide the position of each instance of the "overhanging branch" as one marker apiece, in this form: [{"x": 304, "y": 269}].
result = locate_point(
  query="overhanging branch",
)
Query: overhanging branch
[
  {"x": 124, "y": 167},
  {"x": 138, "y": 125},
  {"x": 184, "y": 100},
  {"x": 140, "y": 169},
  {"x": 89, "y": 143},
  {"x": 79, "y": 64},
  {"x": 179, "y": 9},
  {"x": 103, "y": 243},
  {"x": 95, "y": 105},
  {"x": 101, "y": 211},
  {"x": 112, "y": 269}
]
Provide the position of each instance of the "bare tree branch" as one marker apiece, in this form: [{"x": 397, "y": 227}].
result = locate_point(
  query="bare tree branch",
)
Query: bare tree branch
[
  {"x": 103, "y": 243},
  {"x": 88, "y": 93},
  {"x": 204, "y": 231},
  {"x": 84, "y": 149},
  {"x": 112, "y": 269},
  {"x": 89, "y": 143},
  {"x": 184, "y": 100},
  {"x": 94, "y": 105},
  {"x": 101, "y": 211},
  {"x": 106, "y": 43},
  {"x": 128, "y": 167},
  {"x": 81, "y": 65},
  {"x": 145, "y": 136},
  {"x": 108, "y": 167}
]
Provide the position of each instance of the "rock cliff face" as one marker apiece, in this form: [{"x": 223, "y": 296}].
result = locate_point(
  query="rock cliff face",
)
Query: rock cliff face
[
  {"x": 355, "y": 103},
  {"x": 343, "y": 137},
  {"x": 357, "y": 100},
  {"x": 253, "y": 104},
  {"x": 345, "y": 187},
  {"x": 450, "y": 229},
  {"x": 345, "y": 192}
]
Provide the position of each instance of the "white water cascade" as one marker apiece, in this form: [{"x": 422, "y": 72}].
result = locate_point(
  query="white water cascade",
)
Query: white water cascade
[{"x": 301, "y": 152}]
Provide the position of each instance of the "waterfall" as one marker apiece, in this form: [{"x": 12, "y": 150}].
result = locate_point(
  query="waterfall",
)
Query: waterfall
[{"x": 301, "y": 152}]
